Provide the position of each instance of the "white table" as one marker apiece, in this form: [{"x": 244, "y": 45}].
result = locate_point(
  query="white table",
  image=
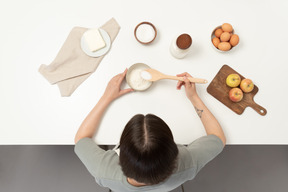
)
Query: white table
[{"x": 32, "y": 32}]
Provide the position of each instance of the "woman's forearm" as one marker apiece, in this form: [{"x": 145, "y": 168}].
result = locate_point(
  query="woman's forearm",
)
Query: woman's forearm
[
  {"x": 112, "y": 92},
  {"x": 209, "y": 122},
  {"x": 91, "y": 122}
]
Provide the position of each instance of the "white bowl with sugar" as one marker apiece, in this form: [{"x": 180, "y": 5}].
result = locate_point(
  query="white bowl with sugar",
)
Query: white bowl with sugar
[{"x": 145, "y": 32}]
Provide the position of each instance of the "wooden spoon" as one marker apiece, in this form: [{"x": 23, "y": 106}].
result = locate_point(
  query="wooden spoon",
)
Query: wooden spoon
[{"x": 156, "y": 75}]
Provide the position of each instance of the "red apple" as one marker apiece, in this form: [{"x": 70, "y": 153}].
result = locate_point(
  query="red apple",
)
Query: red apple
[
  {"x": 235, "y": 95},
  {"x": 247, "y": 85}
]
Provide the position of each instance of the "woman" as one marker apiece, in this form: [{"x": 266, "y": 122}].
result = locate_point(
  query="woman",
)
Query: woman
[{"x": 149, "y": 159}]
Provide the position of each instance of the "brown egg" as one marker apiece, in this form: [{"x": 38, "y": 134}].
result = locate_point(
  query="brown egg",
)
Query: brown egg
[
  {"x": 234, "y": 40},
  {"x": 218, "y": 32},
  {"x": 224, "y": 46},
  {"x": 216, "y": 41},
  {"x": 225, "y": 36},
  {"x": 227, "y": 27}
]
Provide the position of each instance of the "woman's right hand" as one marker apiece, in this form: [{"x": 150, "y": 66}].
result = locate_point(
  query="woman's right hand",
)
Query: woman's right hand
[{"x": 190, "y": 88}]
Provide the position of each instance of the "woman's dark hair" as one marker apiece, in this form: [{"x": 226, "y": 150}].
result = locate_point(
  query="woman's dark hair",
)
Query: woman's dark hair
[{"x": 148, "y": 152}]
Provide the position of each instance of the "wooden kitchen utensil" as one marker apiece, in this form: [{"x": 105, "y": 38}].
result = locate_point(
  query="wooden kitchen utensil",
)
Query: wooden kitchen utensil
[
  {"x": 220, "y": 91},
  {"x": 156, "y": 75}
]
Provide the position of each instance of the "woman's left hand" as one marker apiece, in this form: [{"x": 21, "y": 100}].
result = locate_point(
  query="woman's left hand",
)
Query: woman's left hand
[{"x": 113, "y": 90}]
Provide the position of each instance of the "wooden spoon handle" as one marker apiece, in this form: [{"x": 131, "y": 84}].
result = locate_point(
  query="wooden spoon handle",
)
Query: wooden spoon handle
[
  {"x": 191, "y": 79},
  {"x": 197, "y": 80}
]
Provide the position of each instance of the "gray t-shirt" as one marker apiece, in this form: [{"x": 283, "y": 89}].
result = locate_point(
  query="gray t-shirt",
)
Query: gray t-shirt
[{"x": 104, "y": 165}]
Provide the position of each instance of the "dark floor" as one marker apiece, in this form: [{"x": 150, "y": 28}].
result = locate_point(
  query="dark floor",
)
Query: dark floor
[{"x": 57, "y": 168}]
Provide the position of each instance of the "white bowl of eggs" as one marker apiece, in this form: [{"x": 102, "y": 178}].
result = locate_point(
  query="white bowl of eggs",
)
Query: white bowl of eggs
[{"x": 223, "y": 38}]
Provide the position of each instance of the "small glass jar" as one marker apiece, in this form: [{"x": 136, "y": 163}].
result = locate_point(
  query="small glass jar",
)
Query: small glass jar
[{"x": 180, "y": 46}]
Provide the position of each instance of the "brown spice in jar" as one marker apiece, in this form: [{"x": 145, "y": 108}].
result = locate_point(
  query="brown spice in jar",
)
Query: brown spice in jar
[{"x": 184, "y": 41}]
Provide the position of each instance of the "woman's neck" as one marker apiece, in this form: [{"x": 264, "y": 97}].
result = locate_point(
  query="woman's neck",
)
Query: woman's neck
[{"x": 135, "y": 183}]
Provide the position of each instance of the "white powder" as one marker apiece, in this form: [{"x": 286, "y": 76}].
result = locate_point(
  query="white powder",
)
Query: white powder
[
  {"x": 146, "y": 75},
  {"x": 136, "y": 81},
  {"x": 145, "y": 33}
]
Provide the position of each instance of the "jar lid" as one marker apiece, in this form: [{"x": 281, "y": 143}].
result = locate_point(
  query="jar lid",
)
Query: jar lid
[{"x": 184, "y": 41}]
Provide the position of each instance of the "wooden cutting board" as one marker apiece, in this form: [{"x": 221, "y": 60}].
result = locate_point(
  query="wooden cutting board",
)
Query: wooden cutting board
[{"x": 218, "y": 89}]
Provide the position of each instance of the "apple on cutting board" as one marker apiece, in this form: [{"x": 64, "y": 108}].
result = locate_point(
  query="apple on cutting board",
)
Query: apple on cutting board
[
  {"x": 247, "y": 85},
  {"x": 235, "y": 94},
  {"x": 233, "y": 80}
]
